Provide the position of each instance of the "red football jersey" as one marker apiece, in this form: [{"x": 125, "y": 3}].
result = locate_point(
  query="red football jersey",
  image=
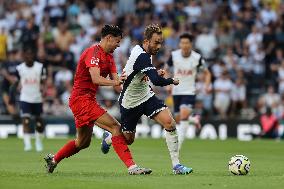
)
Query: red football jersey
[{"x": 93, "y": 56}]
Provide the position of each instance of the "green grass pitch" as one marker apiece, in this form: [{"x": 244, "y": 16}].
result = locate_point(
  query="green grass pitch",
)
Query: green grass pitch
[{"x": 92, "y": 169}]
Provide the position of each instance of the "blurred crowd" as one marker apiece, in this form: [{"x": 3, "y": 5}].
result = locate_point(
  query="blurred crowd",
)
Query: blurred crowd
[{"x": 241, "y": 41}]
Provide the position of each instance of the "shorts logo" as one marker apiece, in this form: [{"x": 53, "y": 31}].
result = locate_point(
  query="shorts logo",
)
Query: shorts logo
[{"x": 95, "y": 61}]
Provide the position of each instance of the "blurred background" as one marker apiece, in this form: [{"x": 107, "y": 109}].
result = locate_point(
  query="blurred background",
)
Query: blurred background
[{"x": 241, "y": 41}]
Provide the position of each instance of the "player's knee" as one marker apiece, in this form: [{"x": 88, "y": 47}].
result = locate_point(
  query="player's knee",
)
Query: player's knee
[
  {"x": 26, "y": 124},
  {"x": 26, "y": 121},
  {"x": 169, "y": 124},
  {"x": 39, "y": 125},
  {"x": 129, "y": 141}
]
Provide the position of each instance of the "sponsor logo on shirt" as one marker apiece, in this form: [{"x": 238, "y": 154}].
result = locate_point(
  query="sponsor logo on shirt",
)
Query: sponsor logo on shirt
[
  {"x": 184, "y": 72},
  {"x": 95, "y": 61}
]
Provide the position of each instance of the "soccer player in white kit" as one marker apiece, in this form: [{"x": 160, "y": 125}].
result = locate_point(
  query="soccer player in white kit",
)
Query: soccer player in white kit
[
  {"x": 185, "y": 65},
  {"x": 31, "y": 75}
]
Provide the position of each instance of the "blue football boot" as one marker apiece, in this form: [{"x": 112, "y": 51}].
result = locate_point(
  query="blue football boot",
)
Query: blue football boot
[
  {"x": 182, "y": 170},
  {"x": 105, "y": 146}
]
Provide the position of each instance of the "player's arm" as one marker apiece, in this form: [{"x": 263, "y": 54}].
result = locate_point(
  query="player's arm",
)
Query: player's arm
[
  {"x": 92, "y": 62},
  {"x": 158, "y": 80},
  {"x": 43, "y": 79},
  {"x": 207, "y": 79},
  {"x": 203, "y": 67},
  {"x": 143, "y": 64},
  {"x": 99, "y": 80}
]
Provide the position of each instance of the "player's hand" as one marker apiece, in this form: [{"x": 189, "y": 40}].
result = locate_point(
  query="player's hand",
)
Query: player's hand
[
  {"x": 176, "y": 81},
  {"x": 161, "y": 72},
  {"x": 123, "y": 76},
  {"x": 118, "y": 82},
  {"x": 121, "y": 79}
]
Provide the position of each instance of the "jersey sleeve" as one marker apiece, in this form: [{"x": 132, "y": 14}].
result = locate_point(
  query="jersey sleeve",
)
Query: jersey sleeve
[
  {"x": 144, "y": 65},
  {"x": 93, "y": 57},
  {"x": 201, "y": 65},
  {"x": 43, "y": 73}
]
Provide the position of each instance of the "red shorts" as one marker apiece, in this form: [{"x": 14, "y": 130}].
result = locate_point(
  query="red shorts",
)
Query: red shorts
[{"x": 86, "y": 110}]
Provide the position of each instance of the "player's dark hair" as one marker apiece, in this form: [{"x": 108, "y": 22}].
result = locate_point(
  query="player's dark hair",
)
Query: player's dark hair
[
  {"x": 111, "y": 30},
  {"x": 150, "y": 30},
  {"x": 188, "y": 36}
]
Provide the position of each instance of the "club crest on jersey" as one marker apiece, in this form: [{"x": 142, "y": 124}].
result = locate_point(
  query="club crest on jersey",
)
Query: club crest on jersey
[{"x": 95, "y": 61}]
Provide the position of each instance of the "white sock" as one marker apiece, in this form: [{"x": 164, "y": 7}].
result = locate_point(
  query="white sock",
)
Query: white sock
[
  {"x": 108, "y": 139},
  {"x": 38, "y": 141},
  {"x": 182, "y": 129},
  {"x": 172, "y": 143},
  {"x": 27, "y": 141}
]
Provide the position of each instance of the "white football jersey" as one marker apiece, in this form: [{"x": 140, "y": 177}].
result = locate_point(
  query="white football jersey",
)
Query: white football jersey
[
  {"x": 135, "y": 90},
  {"x": 30, "y": 80},
  {"x": 185, "y": 69}
]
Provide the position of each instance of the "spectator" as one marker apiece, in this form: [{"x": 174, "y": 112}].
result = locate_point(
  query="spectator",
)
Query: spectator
[
  {"x": 281, "y": 78},
  {"x": 254, "y": 40},
  {"x": 63, "y": 37},
  {"x": 238, "y": 96},
  {"x": 270, "y": 99},
  {"x": 30, "y": 34},
  {"x": 8, "y": 72},
  {"x": 204, "y": 96},
  {"x": 222, "y": 87},
  {"x": 269, "y": 124},
  {"x": 211, "y": 43},
  {"x": 268, "y": 15}
]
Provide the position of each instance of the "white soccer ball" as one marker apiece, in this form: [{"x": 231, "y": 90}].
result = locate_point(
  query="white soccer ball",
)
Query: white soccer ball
[{"x": 239, "y": 165}]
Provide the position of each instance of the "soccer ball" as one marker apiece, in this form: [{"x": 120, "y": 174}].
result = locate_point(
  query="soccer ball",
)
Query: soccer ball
[{"x": 239, "y": 165}]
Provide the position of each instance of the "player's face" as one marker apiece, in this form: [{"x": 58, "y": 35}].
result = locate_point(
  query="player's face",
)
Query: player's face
[
  {"x": 113, "y": 43},
  {"x": 29, "y": 57},
  {"x": 185, "y": 45},
  {"x": 155, "y": 43}
]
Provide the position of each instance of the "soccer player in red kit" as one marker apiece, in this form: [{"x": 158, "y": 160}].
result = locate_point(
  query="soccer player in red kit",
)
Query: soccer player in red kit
[{"x": 95, "y": 64}]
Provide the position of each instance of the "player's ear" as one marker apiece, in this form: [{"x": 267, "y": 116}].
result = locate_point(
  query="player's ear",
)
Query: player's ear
[{"x": 108, "y": 37}]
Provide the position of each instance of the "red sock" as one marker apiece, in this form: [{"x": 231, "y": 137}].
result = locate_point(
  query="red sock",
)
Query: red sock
[
  {"x": 122, "y": 150},
  {"x": 66, "y": 151}
]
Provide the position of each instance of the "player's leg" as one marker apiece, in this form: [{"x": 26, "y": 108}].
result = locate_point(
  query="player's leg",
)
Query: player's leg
[
  {"x": 26, "y": 121},
  {"x": 158, "y": 111},
  {"x": 83, "y": 140},
  {"x": 185, "y": 108},
  {"x": 39, "y": 127},
  {"x": 165, "y": 119},
  {"x": 120, "y": 142},
  {"x": 129, "y": 120},
  {"x": 185, "y": 112}
]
